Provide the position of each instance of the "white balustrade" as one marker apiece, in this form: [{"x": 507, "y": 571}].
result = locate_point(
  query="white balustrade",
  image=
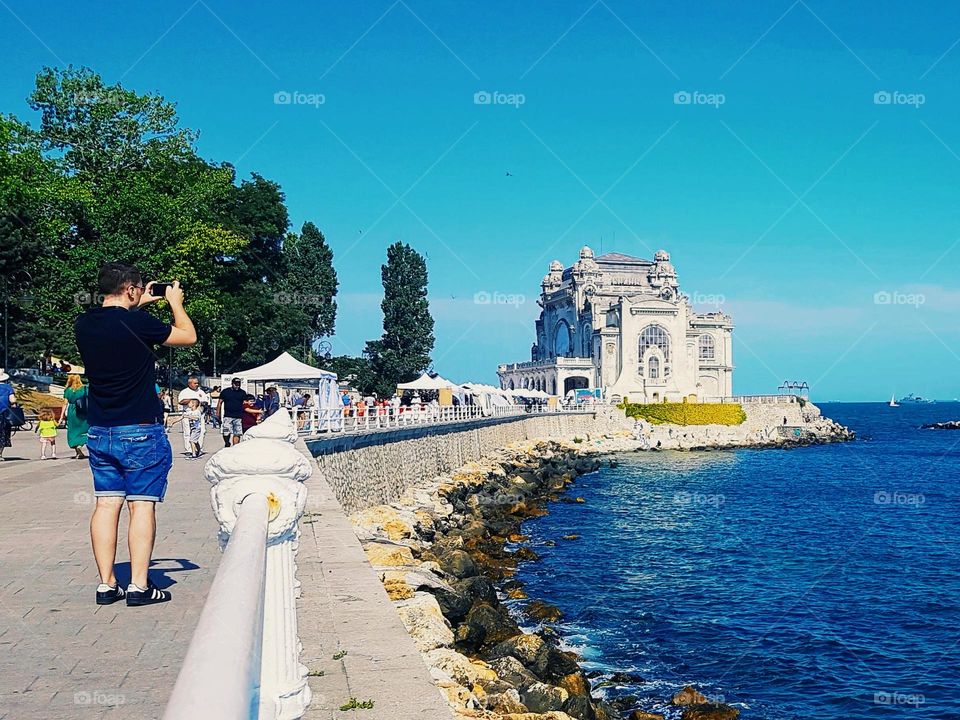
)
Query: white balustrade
[{"x": 244, "y": 658}]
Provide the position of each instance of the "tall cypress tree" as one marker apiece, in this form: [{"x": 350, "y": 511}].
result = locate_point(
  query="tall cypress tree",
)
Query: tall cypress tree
[{"x": 403, "y": 352}]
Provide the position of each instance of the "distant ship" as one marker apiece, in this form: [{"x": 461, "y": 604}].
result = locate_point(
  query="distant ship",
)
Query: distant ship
[
  {"x": 912, "y": 399},
  {"x": 893, "y": 401}
]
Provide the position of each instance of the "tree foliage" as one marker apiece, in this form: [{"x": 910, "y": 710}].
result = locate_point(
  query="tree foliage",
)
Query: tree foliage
[
  {"x": 111, "y": 175},
  {"x": 403, "y": 352}
]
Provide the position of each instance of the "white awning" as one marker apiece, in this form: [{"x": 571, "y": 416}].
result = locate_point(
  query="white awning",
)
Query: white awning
[
  {"x": 425, "y": 382},
  {"x": 285, "y": 367}
]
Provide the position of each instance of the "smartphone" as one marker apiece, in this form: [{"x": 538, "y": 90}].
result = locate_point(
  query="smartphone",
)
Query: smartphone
[{"x": 159, "y": 289}]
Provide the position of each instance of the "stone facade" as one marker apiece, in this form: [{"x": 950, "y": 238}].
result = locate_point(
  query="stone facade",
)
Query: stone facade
[
  {"x": 622, "y": 324},
  {"x": 376, "y": 468}
]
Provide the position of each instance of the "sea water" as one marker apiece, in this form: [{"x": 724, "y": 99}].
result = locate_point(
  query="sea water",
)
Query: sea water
[{"x": 811, "y": 582}]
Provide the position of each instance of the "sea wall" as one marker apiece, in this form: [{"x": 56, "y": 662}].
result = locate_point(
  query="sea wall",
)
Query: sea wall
[{"x": 376, "y": 468}]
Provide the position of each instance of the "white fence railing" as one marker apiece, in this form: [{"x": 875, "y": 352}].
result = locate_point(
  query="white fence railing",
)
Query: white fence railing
[
  {"x": 244, "y": 659},
  {"x": 312, "y": 421}
]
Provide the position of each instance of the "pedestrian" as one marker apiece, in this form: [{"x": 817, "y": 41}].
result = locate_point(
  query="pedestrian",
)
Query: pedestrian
[
  {"x": 230, "y": 410},
  {"x": 8, "y": 402},
  {"x": 252, "y": 410},
  {"x": 193, "y": 418},
  {"x": 214, "y": 412},
  {"x": 130, "y": 456},
  {"x": 271, "y": 402},
  {"x": 47, "y": 430},
  {"x": 77, "y": 402},
  {"x": 192, "y": 391}
]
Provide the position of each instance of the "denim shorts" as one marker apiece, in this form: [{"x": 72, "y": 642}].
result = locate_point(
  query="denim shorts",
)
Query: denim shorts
[
  {"x": 232, "y": 426},
  {"x": 130, "y": 461}
]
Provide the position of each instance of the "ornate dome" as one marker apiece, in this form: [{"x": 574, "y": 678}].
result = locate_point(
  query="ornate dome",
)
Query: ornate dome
[
  {"x": 586, "y": 252},
  {"x": 661, "y": 256},
  {"x": 557, "y": 266}
]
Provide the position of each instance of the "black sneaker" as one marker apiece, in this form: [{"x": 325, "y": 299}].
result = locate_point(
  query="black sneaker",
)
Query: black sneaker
[
  {"x": 108, "y": 597},
  {"x": 150, "y": 596}
]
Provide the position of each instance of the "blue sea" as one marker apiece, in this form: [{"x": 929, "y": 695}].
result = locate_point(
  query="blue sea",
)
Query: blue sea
[{"x": 819, "y": 582}]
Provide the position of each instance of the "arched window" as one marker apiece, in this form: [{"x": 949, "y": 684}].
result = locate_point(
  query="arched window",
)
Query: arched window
[
  {"x": 655, "y": 336},
  {"x": 708, "y": 347},
  {"x": 654, "y": 342},
  {"x": 562, "y": 339},
  {"x": 512, "y": 387},
  {"x": 654, "y": 367}
]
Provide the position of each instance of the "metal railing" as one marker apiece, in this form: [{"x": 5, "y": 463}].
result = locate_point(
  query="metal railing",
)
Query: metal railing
[
  {"x": 243, "y": 658},
  {"x": 356, "y": 419}
]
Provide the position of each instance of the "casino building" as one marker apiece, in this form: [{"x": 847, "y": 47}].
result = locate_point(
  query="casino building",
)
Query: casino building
[{"x": 622, "y": 324}]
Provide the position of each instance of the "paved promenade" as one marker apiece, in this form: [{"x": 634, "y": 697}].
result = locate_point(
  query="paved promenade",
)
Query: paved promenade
[{"x": 62, "y": 656}]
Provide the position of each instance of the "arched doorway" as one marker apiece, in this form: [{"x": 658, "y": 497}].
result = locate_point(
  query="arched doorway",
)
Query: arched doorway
[{"x": 577, "y": 382}]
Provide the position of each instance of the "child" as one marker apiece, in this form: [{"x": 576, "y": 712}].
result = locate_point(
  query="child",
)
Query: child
[
  {"x": 194, "y": 416},
  {"x": 47, "y": 429}
]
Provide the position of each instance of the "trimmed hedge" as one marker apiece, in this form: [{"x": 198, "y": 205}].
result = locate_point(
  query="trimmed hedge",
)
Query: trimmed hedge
[{"x": 687, "y": 413}]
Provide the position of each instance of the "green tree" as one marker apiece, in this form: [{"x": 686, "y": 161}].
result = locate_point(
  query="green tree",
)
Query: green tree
[
  {"x": 403, "y": 352},
  {"x": 311, "y": 276}
]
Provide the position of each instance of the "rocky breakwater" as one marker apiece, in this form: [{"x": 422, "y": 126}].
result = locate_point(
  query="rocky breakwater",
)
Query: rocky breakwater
[
  {"x": 774, "y": 425},
  {"x": 447, "y": 553},
  {"x": 949, "y": 425}
]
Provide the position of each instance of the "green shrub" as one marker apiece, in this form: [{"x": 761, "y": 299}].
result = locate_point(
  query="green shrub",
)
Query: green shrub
[{"x": 687, "y": 413}]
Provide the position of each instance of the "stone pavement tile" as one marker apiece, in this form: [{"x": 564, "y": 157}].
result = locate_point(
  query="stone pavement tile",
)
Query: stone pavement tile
[{"x": 83, "y": 657}]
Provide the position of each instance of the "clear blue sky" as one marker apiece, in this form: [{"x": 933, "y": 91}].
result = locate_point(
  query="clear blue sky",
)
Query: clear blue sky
[{"x": 796, "y": 200}]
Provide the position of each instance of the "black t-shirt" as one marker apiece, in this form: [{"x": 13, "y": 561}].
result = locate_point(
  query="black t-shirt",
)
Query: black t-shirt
[
  {"x": 116, "y": 345},
  {"x": 233, "y": 402}
]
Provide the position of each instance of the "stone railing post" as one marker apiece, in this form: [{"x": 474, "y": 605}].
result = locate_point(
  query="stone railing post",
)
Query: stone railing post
[{"x": 267, "y": 463}]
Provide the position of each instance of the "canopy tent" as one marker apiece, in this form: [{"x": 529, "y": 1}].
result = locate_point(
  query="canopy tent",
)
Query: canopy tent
[
  {"x": 287, "y": 370},
  {"x": 285, "y": 367},
  {"x": 425, "y": 382}
]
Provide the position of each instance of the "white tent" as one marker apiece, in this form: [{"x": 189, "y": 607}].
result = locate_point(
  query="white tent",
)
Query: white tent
[
  {"x": 425, "y": 382},
  {"x": 287, "y": 369}
]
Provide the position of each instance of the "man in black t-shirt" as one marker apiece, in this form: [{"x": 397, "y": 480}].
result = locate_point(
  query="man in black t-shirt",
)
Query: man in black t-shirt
[
  {"x": 231, "y": 412},
  {"x": 130, "y": 455}
]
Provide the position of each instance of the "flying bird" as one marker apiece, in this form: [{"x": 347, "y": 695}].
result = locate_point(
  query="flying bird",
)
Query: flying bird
[{"x": 509, "y": 174}]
